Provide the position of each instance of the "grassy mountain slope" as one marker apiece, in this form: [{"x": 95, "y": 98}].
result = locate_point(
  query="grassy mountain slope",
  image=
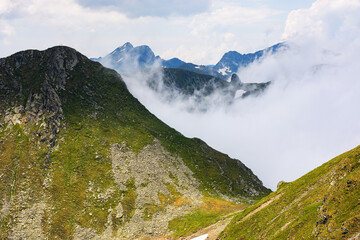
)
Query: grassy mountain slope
[
  {"x": 81, "y": 158},
  {"x": 323, "y": 204}
]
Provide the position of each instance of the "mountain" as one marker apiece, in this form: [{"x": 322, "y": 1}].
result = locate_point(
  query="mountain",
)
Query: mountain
[
  {"x": 200, "y": 91},
  {"x": 201, "y": 69},
  {"x": 232, "y": 61},
  {"x": 323, "y": 204},
  {"x": 172, "y": 63},
  {"x": 188, "y": 82},
  {"x": 192, "y": 84},
  {"x": 129, "y": 59},
  {"x": 81, "y": 158}
]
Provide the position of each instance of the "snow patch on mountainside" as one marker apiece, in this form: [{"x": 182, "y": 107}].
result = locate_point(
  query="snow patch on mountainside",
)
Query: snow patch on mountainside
[{"x": 224, "y": 71}]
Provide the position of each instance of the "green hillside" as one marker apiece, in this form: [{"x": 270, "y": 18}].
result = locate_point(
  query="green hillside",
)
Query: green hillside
[
  {"x": 323, "y": 204},
  {"x": 81, "y": 158}
]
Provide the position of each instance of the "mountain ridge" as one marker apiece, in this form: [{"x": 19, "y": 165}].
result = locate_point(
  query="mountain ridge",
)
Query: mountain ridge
[
  {"x": 82, "y": 158},
  {"x": 232, "y": 61},
  {"x": 229, "y": 63}
]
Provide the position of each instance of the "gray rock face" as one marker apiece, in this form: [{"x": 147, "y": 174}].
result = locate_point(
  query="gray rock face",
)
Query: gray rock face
[
  {"x": 156, "y": 173},
  {"x": 159, "y": 179},
  {"x": 42, "y": 106}
]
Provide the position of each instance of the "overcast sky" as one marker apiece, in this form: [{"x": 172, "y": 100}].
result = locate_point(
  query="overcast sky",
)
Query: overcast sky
[{"x": 198, "y": 31}]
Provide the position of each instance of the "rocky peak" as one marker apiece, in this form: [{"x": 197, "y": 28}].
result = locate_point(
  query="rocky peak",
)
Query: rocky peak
[
  {"x": 128, "y": 58},
  {"x": 124, "y": 48},
  {"x": 41, "y": 93},
  {"x": 127, "y": 45}
]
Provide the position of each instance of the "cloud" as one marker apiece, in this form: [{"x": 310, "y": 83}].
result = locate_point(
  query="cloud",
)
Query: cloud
[
  {"x": 96, "y": 31},
  {"x": 5, "y": 5},
  {"x": 228, "y": 14},
  {"x": 39, "y": 24},
  {"x": 325, "y": 20},
  {"x": 158, "y": 8},
  {"x": 308, "y": 115},
  {"x": 6, "y": 30},
  {"x": 220, "y": 29}
]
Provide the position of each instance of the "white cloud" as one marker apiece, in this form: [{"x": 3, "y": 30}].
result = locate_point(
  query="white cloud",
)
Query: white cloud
[
  {"x": 5, "y": 5},
  {"x": 62, "y": 13},
  {"x": 327, "y": 20},
  {"x": 97, "y": 31},
  {"x": 160, "y": 8},
  {"x": 6, "y": 29},
  {"x": 220, "y": 29},
  {"x": 41, "y": 24},
  {"x": 229, "y": 15}
]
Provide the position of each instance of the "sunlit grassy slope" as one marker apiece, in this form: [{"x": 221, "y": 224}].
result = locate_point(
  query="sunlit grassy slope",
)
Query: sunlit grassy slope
[{"x": 323, "y": 204}]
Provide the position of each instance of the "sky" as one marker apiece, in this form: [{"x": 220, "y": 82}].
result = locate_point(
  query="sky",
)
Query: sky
[
  {"x": 198, "y": 31},
  {"x": 308, "y": 115}
]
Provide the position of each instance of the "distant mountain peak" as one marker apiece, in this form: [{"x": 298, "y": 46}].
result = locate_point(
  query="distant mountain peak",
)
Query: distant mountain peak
[
  {"x": 124, "y": 48},
  {"x": 128, "y": 58},
  {"x": 128, "y": 44},
  {"x": 232, "y": 61}
]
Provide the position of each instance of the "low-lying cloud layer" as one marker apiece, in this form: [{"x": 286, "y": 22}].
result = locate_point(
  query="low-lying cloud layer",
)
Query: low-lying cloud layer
[{"x": 308, "y": 115}]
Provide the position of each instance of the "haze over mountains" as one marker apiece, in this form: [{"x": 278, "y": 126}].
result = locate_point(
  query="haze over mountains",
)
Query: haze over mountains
[
  {"x": 174, "y": 80},
  {"x": 128, "y": 58}
]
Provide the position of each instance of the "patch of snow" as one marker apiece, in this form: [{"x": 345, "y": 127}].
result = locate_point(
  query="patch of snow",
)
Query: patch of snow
[
  {"x": 120, "y": 59},
  {"x": 239, "y": 93},
  {"x": 223, "y": 71},
  {"x": 202, "y": 237},
  {"x": 197, "y": 67}
]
